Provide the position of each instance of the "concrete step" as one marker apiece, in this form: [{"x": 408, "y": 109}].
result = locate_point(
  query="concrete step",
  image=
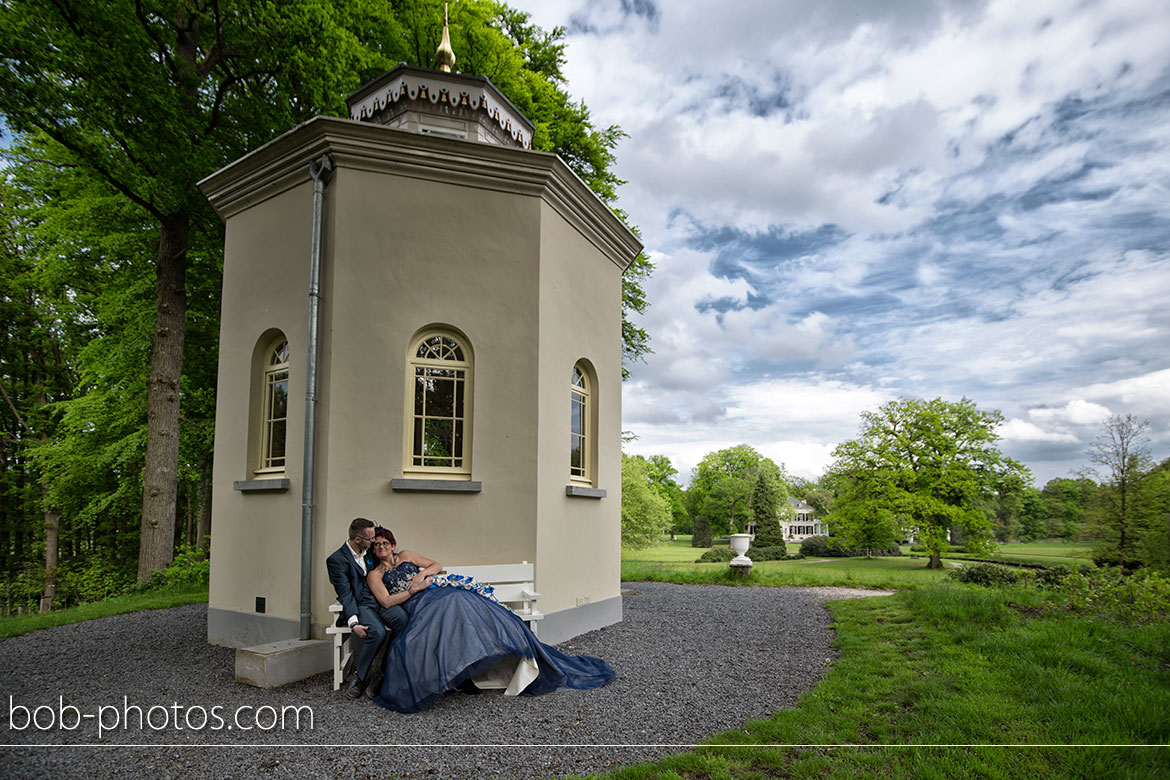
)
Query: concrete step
[{"x": 280, "y": 663}]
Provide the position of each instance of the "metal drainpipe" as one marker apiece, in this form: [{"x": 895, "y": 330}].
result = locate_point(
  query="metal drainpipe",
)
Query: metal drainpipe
[{"x": 320, "y": 171}]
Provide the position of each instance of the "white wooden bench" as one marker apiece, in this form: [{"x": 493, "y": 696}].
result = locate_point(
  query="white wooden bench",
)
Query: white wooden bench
[{"x": 512, "y": 585}]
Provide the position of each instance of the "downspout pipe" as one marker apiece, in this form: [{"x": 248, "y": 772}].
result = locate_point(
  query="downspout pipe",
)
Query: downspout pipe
[{"x": 320, "y": 171}]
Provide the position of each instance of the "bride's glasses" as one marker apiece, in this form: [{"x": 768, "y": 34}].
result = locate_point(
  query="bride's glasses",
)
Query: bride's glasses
[{"x": 381, "y": 544}]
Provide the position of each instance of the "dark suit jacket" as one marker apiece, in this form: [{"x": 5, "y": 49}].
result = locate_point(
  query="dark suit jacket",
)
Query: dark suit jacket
[{"x": 349, "y": 582}]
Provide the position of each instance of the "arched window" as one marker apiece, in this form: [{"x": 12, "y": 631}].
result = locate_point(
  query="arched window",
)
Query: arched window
[
  {"x": 439, "y": 424},
  {"x": 580, "y": 420},
  {"x": 275, "y": 415}
]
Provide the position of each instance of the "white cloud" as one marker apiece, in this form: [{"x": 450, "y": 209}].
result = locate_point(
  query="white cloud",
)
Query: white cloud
[{"x": 997, "y": 176}]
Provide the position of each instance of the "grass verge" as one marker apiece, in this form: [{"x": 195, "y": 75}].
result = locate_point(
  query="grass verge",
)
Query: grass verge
[
  {"x": 893, "y": 573},
  {"x": 950, "y": 664},
  {"x": 15, "y": 625}
]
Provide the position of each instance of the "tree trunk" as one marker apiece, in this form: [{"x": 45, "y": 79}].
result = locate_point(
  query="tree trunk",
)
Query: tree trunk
[
  {"x": 52, "y": 537},
  {"x": 935, "y": 562},
  {"x": 156, "y": 543},
  {"x": 52, "y": 527}
]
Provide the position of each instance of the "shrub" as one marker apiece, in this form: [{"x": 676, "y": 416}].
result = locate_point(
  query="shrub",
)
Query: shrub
[
  {"x": 772, "y": 554},
  {"x": 91, "y": 579},
  {"x": 954, "y": 548},
  {"x": 717, "y": 555},
  {"x": 188, "y": 568},
  {"x": 832, "y": 547},
  {"x": 815, "y": 546},
  {"x": 987, "y": 574},
  {"x": 702, "y": 533},
  {"x": 1052, "y": 576},
  {"x": 1143, "y": 597}
]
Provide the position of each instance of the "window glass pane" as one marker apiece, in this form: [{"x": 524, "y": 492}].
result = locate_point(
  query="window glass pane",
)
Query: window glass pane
[
  {"x": 276, "y": 451},
  {"x": 279, "y": 354},
  {"x": 437, "y": 442},
  {"x": 576, "y": 462},
  {"x": 279, "y": 405},
  {"x": 457, "y": 445},
  {"x": 577, "y": 415},
  {"x": 418, "y": 440},
  {"x": 440, "y": 401},
  {"x": 420, "y": 391}
]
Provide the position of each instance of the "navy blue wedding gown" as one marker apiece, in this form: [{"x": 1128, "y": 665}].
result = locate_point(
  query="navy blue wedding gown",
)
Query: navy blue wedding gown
[{"x": 455, "y": 635}]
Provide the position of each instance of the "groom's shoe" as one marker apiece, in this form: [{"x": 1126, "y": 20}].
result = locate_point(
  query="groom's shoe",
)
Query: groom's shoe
[
  {"x": 468, "y": 687},
  {"x": 353, "y": 690},
  {"x": 375, "y": 686}
]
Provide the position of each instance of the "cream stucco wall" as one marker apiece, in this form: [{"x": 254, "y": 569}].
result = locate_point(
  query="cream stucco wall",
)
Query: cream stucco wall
[
  {"x": 503, "y": 246},
  {"x": 578, "y": 539},
  {"x": 256, "y": 537}
]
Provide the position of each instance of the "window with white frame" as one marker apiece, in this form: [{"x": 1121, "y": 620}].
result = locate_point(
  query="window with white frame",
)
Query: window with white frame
[
  {"x": 579, "y": 422},
  {"x": 439, "y": 401},
  {"x": 275, "y": 410}
]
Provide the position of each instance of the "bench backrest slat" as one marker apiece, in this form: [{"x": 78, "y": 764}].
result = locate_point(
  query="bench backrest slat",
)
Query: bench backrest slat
[{"x": 492, "y": 574}]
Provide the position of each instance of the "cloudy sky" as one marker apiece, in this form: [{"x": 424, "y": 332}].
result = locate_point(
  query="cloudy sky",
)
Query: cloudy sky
[{"x": 852, "y": 201}]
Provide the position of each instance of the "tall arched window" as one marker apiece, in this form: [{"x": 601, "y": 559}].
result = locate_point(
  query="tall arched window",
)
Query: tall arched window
[
  {"x": 579, "y": 422},
  {"x": 439, "y": 424},
  {"x": 275, "y": 414}
]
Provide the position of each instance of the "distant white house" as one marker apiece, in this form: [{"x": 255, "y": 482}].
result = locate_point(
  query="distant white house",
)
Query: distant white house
[{"x": 799, "y": 524}]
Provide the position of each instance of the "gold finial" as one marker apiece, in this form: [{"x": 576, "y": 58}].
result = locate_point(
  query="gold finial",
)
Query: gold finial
[{"x": 445, "y": 55}]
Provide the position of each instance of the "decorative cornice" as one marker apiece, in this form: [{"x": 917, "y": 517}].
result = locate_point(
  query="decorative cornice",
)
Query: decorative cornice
[
  {"x": 283, "y": 163},
  {"x": 475, "y": 93}
]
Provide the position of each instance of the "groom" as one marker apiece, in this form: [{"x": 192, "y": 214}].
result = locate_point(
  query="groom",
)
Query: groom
[{"x": 371, "y": 622}]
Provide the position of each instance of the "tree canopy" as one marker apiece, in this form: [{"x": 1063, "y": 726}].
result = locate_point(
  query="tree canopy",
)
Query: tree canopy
[
  {"x": 723, "y": 483},
  {"x": 645, "y": 513},
  {"x": 924, "y": 468},
  {"x": 120, "y": 108}
]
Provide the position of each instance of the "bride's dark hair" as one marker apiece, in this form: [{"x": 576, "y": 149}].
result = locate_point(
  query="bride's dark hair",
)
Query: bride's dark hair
[{"x": 385, "y": 533}]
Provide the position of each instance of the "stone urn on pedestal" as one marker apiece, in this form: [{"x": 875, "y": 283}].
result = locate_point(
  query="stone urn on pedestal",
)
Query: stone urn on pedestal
[{"x": 741, "y": 565}]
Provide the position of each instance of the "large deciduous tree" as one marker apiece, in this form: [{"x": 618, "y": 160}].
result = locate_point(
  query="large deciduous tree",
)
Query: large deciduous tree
[
  {"x": 645, "y": 514},
  {"x": 148, "y": 97},
  {"x": 151, "y": 96},
  {"x": 927, "y": 467},
  {"x": 1120, "y": 456},
  {"x": 724, "y": 481}
]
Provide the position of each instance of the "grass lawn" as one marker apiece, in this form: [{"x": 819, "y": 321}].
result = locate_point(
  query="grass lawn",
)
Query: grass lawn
[
  {"x": 896, "y": 573},
  {"x": 950, "y": 664},
  {"x": 118, "y": 605}
]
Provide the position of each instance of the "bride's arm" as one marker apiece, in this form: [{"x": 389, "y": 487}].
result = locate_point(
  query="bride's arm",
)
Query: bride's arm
[
  {"x": 378, "y": 588},
  {"x": 427, "y": 568}
]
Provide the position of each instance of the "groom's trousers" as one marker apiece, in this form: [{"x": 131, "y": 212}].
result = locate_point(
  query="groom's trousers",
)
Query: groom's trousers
[{"x": 382, "y": 624}]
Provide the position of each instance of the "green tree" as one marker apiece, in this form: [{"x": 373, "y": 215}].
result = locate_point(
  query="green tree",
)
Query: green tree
[
  {"x": 1032, "y": 525},
  {"x": 645, "y": 514},
  {"x": 661, "y": 474},
  {"x": 865, "y": 525},
  {"x": 930, "y": 465},
  {"x": 1063, "y": 504},
  {"x": 1155, "y": 543},
  {"x": 146, "y": 98},
  {"x": 1120, "y": 457},
  {"x": 702, "y": 536},
  {"x": 722, "y": 485},
  {"x": 769, "y": 502},
  {"x": 150, "y": 97}
]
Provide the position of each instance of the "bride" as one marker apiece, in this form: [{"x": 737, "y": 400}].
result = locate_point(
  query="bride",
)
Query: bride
[{"x": 456, "y": 635}]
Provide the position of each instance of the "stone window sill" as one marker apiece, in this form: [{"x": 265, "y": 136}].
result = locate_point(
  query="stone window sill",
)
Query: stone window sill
[
  {"x": 436, "y": 485},
  {"x": 261, "y": 485},
  {"x": 580, "y": 491}
]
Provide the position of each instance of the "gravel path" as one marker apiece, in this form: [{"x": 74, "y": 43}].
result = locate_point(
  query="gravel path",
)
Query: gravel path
[{"x": 674, "y": 653}]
